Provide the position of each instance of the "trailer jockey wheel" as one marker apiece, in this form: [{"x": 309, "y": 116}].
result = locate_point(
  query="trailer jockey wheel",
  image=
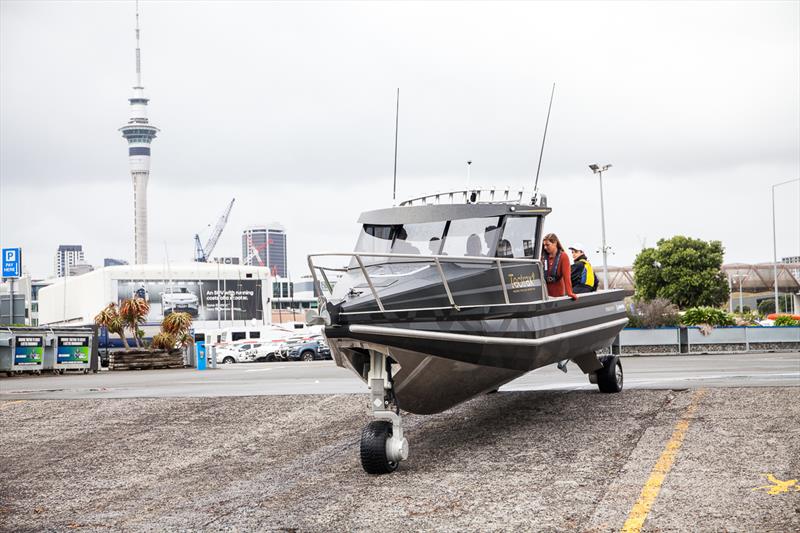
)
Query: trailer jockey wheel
[
  {"x": 610, "y": 377},
  {"x": 374, "y": 458}
]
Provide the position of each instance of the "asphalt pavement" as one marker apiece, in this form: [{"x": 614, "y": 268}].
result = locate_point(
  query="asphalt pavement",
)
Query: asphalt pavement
[
  {"x": 324, "y": 377},
  {"x": 707, "y": 443}
]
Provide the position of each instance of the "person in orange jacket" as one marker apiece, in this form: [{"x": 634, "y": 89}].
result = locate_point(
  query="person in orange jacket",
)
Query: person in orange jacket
[{"x": 556, "y": 267}]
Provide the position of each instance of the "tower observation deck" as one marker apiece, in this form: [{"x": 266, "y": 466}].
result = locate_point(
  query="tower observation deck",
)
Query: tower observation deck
[{"x": 140, "y": 134}]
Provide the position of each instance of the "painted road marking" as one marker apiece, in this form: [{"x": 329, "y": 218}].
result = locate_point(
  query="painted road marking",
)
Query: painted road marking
[
  {"x": 778, "y": 486},
  {"x": 6, "y": 404},
  {"x": 652, "y": 487}
]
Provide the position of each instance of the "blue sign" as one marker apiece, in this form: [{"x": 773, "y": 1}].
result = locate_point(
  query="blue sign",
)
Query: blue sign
[{"x": 12, "y": 262}]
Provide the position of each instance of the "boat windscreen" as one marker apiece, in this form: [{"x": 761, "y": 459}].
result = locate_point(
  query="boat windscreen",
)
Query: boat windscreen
[
  {"x": 519, "y": 238},
  {"x": 374, "y": 238},
  {"x": 472, "y": 237}
]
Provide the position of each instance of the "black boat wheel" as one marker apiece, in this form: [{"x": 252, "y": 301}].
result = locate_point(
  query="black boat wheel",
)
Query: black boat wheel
[
  {"x": 610, "y": 377},
  {"x": 373, "y": 448}
]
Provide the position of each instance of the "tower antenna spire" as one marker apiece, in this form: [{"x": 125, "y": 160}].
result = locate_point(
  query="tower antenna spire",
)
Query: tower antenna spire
[
  {"x": 138, "y": 51},
  {"x": 140, "y": 134}
]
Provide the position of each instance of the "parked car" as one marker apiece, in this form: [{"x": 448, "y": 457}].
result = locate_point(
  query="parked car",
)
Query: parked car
[
  {"x": 309, "y": 351},
  {"x": 267, "y": 351},
  {"x": 237, "y": 352}
]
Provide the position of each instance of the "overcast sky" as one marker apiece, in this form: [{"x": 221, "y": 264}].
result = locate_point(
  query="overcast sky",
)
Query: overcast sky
[{"x": 289, "y": 108}]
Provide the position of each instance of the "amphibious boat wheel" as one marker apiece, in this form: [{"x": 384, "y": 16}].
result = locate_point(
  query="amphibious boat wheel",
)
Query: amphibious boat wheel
[
  {"x": 373, "y": 448},
  {"x": 610, "y": 378}
]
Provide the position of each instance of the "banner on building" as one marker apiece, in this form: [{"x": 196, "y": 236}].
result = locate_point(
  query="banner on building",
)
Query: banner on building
[
  {"x": 72, "y": 351},
  {"x": 203, "y": 300}
]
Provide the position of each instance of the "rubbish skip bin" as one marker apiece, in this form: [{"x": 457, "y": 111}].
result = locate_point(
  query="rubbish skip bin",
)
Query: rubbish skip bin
[
  {"x": 28, "y": 352},
  {"x": 72, "y": 352},
  {"x": 6, "y": 352}
]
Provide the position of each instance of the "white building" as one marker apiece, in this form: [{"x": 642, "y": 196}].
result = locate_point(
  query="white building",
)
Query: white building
[
  {"x": 67, "y": 255},
  {"x": 216, "y": 295}
]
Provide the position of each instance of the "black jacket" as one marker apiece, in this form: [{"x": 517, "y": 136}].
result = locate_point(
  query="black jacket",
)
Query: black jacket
[{"x": 582, "y": 276}]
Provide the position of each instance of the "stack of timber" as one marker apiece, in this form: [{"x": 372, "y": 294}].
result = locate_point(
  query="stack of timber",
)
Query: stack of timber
[{"x": 144, "y": 359}]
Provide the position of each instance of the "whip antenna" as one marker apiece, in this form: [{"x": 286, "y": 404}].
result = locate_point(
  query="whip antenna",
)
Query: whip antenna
[
  {"x": 396, "y": 124},
  {"x": 541, "y": 152}
]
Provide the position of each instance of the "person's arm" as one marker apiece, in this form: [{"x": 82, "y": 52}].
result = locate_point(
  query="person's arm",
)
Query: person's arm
[{"x": 565, "y": 275}]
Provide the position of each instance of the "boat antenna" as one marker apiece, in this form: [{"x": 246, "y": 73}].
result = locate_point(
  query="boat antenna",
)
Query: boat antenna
[
  {"x": 541, "y": 152},
  {"x": 396, "y": 125}
]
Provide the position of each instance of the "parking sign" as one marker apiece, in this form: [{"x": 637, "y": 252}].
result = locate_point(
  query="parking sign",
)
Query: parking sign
[{"x": 12, "y": 262}]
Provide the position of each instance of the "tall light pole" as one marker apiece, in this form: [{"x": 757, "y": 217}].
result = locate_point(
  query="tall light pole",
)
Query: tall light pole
[
  {"x": 599, "y": 170},
  {"x": 775, "y": 242}
]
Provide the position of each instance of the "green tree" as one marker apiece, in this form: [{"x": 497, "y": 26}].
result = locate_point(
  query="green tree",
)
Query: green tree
[{"x": 685, "y": 271}]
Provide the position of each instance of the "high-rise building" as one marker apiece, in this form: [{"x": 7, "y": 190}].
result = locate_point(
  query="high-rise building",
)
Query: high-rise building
[
  {"x": 266, "y": 246},
  {"x": 139, "y": 133},
  {"x": 67, "y": 255},
  {"x": 110, "y": 262}
]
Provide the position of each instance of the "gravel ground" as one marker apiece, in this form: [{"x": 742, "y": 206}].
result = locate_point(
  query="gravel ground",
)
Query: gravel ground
[{"x": 539, "y": 460}]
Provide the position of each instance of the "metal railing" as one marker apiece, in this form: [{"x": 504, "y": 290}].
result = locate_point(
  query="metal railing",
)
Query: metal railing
[
  {"x": 500, "y": 196},
  {"x": 434, "y": 260}
]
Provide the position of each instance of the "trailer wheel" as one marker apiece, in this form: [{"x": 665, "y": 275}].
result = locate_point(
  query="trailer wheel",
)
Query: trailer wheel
[
  {"x": 373, "y": 448},
  {"x": 610, "y": 377}
]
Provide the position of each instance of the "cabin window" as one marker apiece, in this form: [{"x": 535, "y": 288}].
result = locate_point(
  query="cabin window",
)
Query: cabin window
[
  {"x": 374, "y": 238},
  {"x": 472, "y": 237},
  {"x": 255, "y": 334},
  {"x": 238, "y": 336},
  {"x": 425, "y": 238},
  {"x": 519, "y": 238}
]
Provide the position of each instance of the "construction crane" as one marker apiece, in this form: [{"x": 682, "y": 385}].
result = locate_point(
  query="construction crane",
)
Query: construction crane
[{"x": 202, "y": 253}]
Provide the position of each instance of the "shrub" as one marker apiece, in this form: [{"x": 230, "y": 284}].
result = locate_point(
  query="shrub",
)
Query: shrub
[
  {"x": 707, "y": 315},
  {"x": 163, "y": 341},
  {"x": 786, "y": 320},
  {"x": 748, "y": 318},
  {"x": 655, "y": 313}
]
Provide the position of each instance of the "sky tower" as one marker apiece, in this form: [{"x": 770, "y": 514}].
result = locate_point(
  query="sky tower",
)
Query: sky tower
[{"x": 139, "y": 133}]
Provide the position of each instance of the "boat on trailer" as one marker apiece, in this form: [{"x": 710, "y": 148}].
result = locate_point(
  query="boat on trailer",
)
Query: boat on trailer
[{"x": 445, "y": 299}]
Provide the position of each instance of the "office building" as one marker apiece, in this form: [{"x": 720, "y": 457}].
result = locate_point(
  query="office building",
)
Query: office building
[
  {"x": 67, "y": 255},
  {"x": 266, "y": 246}
]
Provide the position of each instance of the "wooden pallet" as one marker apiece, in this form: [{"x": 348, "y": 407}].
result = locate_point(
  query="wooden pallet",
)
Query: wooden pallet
[{"x": 144, "y": 360}]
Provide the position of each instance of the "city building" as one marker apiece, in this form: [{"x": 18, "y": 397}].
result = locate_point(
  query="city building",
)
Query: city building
[
  {"x": 110, "y": 262},
  {"x": 140, "y": 134},
  {"x": 793, "y": 260},
  {"x": 80, "y": 268},
  {"x": 266, "y": 246},
  {"x": 67, "y": 256},
  {"x": 290, "y": 300},
  {"x": 215, "y": 295},
  {"x": 225, "y": 260}
]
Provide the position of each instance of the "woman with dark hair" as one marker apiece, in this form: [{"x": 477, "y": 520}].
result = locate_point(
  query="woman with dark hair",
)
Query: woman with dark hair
[{"x": 556, "y": 267}]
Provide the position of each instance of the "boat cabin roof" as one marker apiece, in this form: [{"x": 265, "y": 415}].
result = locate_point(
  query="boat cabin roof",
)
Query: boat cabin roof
[{"x": 436, "y": 213}]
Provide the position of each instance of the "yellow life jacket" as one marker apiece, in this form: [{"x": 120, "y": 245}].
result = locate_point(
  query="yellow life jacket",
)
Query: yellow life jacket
[{"x": 588, "y": 278}]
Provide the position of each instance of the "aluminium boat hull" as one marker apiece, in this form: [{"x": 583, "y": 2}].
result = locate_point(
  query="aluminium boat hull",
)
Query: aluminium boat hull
[{"x": 448, "y": 356}]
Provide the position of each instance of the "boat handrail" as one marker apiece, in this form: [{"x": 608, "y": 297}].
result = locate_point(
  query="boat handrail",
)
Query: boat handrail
[
  {"x": 465, "y": 196},
  {"x": 436, "y": 260}
]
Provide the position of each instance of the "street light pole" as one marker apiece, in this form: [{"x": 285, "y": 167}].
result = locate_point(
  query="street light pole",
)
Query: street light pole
[
  {"x": 599, "y": 170},
  {"x": 775, "y": 243}
]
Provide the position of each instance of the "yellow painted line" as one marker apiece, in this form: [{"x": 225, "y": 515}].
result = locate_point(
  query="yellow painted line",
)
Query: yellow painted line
[
  {"x": 778, "y": 486},
  {"x": 3, "y": 405},
  {"x": 652, "y": 487}
]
